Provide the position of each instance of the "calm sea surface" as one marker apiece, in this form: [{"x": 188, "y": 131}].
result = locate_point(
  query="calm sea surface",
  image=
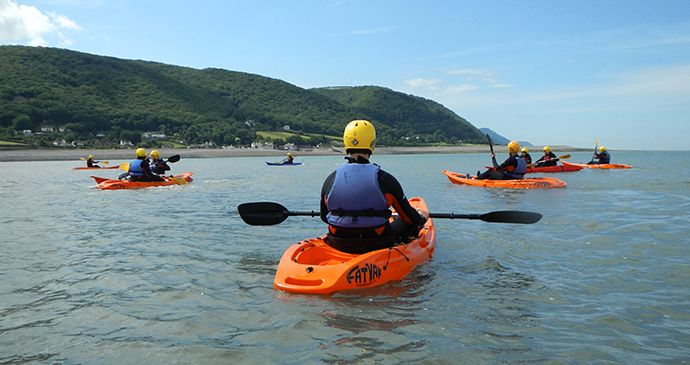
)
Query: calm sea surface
[{"x": 173, "y": 276}]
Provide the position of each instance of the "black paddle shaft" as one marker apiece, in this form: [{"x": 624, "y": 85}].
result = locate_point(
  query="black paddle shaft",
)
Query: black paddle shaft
[{"x": 268, "y": 214}]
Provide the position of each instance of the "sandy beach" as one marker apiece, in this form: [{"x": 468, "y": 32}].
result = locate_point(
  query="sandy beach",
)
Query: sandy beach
[{"x": 8, "y": 155}]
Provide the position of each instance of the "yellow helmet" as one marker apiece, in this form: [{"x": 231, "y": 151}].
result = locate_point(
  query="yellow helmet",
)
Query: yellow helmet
[
  {"x": 524, "y": 149},
  {"x": 513, "y": 147},
  {"x": 602, "y": 149},
  {"x": 155, "y": 154},
  {"x": 359, "y": 134},
  {"x": 289, "y": 154},
  {"x": 90, "y": 157},
  {"x": 547, "y": 149},
  {"x": 141, "y": 152}
]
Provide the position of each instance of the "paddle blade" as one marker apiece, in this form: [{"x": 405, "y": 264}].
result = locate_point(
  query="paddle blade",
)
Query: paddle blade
[
  {"x": 178, "y": 180},
  {"x": 511, "y": 216},
  {"x": 262, "y": 213},
  {"x": 106, "y": 162},
  {"x": 564, "y": 157},
  {"x": 174, "y": 158},
  {"x": 125, "y": 166}
]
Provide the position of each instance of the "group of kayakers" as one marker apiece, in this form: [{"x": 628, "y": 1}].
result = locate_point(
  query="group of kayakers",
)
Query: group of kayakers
[
  {"x": 145, "y": 167},
  {"x": 356, "y": 198},
  {"x": 515, "y": 167}
]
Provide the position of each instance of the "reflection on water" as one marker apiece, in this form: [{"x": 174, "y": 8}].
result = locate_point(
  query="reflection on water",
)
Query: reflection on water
[{"x": 172, "y": 275}]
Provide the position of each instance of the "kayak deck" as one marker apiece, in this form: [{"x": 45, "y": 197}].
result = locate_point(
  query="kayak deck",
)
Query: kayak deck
[
  {"x": 526, "y": 183},
  {"x": 313, "y": 267},
  {"x": 116, "y": 184},
  {"x": 600, "y": 166}
]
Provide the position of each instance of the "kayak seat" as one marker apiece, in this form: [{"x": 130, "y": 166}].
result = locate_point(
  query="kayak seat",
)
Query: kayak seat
[{"x": 402, "y": 234}]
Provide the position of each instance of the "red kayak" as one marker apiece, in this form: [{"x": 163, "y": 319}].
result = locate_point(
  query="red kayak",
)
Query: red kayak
[
  {"x": 599, "y": 166},
  {"x": 549, "y": 169},
  {"x": 115, "y": 184},
  {"x": 97, "y": 168}
]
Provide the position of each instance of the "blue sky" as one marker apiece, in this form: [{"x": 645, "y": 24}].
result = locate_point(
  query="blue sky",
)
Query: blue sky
[{"x": 547, "y": 72}]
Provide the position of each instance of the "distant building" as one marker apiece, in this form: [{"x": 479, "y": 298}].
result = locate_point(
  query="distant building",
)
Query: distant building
[
  {"x": 60, "y": 142},
  {"x": 158, "y": 135},
  {"x": 79, "y": 143},
  {"x": 125, "y": 143},
  {"x": 27, "y": 131},
  {"x": 46, "y": 128},
  {"x": 286, "y": 127},
  {"x": 263, "y": 145}
]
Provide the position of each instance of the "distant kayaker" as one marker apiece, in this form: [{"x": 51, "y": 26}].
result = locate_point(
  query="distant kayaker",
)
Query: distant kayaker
[
  {"x": 90, "y": 162},
  {"x": 526, "y": 156},
  {"x": 289, "y": 158},
  {"x": 549, "y": 158},
  {"x": 513, "y": 167},
  {"x": 356, "y": 197},
  {"x": 603, "y": 157},
  {"x": 139, "y": 169},
  {"x": 158, "y": 165}
]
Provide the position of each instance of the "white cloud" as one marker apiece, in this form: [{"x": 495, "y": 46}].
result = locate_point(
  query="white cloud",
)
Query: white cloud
[
  {"x": 471, "y": 74},
  {"x": 423, "y": 83},
  {"x": 27, "y": 24}
]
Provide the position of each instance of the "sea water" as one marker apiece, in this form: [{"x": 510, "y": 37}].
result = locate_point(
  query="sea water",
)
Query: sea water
[{"x": 172, "y": 275}]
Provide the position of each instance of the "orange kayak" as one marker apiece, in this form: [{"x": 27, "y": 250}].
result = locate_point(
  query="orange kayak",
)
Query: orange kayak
[
  {"x": 526, "y": 183},
  {"x": 313, "y": 267},
  {"x": 549, "y": 169},
  {"x": 97, "y": 168},
  {"x": 600, "y": 166},
  {"x": 115, "y": 184}
]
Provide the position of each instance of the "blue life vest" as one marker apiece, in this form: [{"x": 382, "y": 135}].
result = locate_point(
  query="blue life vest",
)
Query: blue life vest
[
  {"x": 519, "y": 171},
  {"x": 355, "y": 199},
  {"x": 135, "y": 168}
]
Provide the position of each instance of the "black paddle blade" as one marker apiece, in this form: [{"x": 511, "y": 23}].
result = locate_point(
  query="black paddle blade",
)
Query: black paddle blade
[
  {"x": 511, "y": 216},
  {"x": 262, "y": 213},
  {"x": 174, "y": 158}
]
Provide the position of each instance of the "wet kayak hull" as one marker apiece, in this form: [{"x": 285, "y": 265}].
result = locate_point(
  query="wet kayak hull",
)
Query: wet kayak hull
[
  {"x": 116, "y": 184},
  {"x": 313, "y": 267},
  {"x": 283, "y": 164},
  {"x": 97, "y": 168},
  {"x": 600, "y": 166},
  {"x": 526, "y": 183}
]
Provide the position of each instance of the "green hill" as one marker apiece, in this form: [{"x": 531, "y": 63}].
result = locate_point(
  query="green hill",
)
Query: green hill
[
  {"x": 403, "y": 115},
  {"x": 103, "y": 100}
]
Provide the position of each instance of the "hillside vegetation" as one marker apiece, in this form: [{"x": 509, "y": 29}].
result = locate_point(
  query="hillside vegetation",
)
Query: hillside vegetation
[{"x": 61, "y": 94}]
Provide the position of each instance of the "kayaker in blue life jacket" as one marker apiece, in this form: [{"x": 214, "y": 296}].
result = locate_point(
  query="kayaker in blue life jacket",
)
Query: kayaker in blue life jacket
[
  {"x": 139, "y": 168},
  {"x": 602, "y": 157},
  {"x": 90, "y": 162},
  {"x": 157, "y": 165},
  {"x": 513, "y": 167},
  {"x": 549, "y": 158},
  {"x": 356, "y": 197},
  {"x": 524, "y": 154}
]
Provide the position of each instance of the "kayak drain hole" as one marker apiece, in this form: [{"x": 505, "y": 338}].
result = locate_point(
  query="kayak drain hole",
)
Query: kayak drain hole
[{"x": 310, "y": 269}]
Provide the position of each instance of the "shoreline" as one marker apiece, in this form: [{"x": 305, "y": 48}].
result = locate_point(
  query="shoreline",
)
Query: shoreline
[{"x": 19, "y": 155}]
